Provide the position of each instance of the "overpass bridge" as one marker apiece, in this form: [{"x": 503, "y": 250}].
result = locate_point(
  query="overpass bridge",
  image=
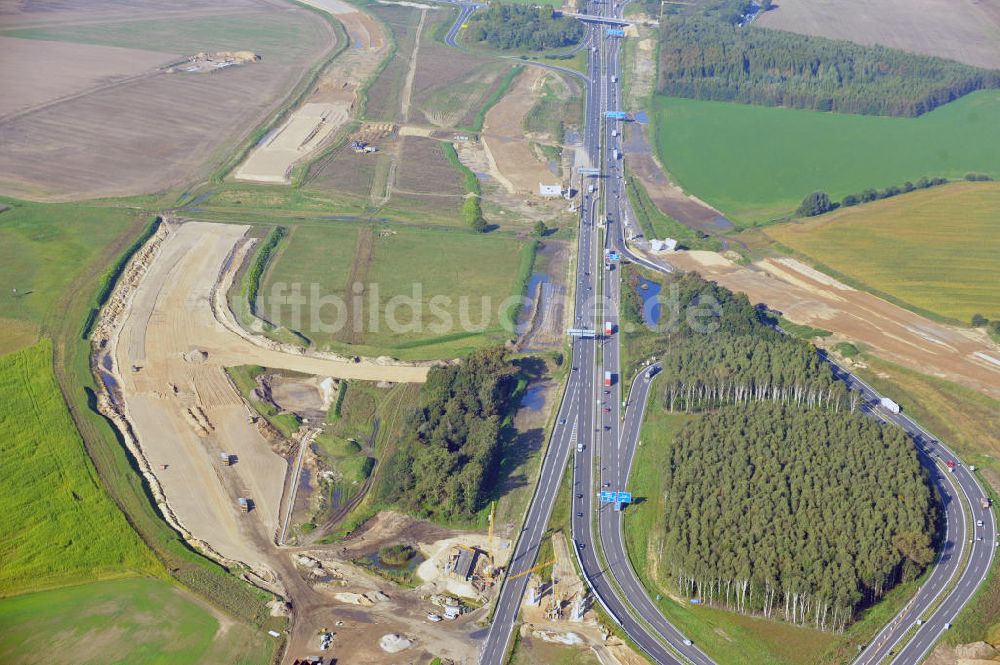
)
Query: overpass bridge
[{"x": 606, "y": 20}]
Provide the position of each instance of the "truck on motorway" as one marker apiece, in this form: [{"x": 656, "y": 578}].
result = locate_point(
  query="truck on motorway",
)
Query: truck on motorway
[
  {"x": 889, "y": 405},
  {"x": 614, "y": 133},
  {"x": 609, "y": 329},
  {"x": 951, "y": 466},
  {"x": 616, "y": 154},
  {"x": 609, "y": 379}
]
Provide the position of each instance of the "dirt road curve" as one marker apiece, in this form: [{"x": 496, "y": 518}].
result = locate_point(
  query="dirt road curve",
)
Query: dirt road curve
[
  {"x": 182, "y": 406},
  {"x": 809, "y": 297}
]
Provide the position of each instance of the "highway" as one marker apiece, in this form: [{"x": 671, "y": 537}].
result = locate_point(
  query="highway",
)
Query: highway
[{"x": 593, "y": 430}]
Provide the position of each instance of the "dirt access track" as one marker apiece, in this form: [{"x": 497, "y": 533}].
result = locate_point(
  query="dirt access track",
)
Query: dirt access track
[
  {"x": 331, "y": 104},
  {"x": 512, "y": 160},
  {"x": 806, "y": 296},
  {"x": 963, "y": 30},
  {"x": 168, "y": 353}
]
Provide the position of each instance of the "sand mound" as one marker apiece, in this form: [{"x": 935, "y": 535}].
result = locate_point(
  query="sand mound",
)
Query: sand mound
[{"x": 393, "y": 643}]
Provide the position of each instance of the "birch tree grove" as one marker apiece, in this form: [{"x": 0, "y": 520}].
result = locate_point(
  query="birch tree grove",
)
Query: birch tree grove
[
  {"x": 780, "y": 499},
  {"x": 809, "y": 515}
]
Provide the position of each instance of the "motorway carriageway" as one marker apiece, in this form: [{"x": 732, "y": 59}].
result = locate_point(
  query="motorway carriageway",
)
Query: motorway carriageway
[{"x": 582, "y": 421}]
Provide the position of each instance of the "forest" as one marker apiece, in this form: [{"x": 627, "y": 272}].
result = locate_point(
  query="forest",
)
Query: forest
[
  {"x": 446, "y": 464},
  {"x": 782, "y": 499},
  {"x": 706, "y": 55},
  {"x": 523, "y": 27},
  {"x": 806, "y": 514}
]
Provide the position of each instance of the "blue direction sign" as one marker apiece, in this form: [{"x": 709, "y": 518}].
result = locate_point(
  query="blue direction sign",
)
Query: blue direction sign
[{"x": 616, "y": 497}]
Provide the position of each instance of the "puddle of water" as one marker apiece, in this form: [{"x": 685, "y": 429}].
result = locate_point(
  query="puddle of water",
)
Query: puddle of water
[
  {"x": 373, "y": 561},
  {"x": 533, "y": 282},
  {"x": 106, "y": 363},
  {"x": 534, "y": 398},
  {"x": 648, "y": 292}
]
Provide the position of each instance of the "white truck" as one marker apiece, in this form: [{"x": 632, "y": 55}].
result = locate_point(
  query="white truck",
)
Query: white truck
[
  {"x": 889, "y": 405},
  {"x": 617, "y": 154}
]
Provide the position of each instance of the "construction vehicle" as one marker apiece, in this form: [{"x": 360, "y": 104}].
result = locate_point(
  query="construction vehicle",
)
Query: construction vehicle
[
  {"x": 244, "y": 504},
  {"x": 533, "y": 569},
  {"x": 491, "y": 570},
  {"x": 227, "y": 459},
  {"x": 362, "y": 147}
]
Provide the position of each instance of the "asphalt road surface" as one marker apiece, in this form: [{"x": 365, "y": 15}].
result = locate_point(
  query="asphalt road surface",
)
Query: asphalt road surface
[{"x": 591, "y": 428}]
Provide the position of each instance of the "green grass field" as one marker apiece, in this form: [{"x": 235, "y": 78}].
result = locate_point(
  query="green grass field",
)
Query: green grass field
[
  {"x": 44, "y": 248},
  {"x": 405, "y": 265},
  {"x": 935, "y": 249},
  {"x": 757, "y": 163},
  {"x": 134, "y": 621},
  {"x": 282, "y": 37},
  {"x": 59, "y": 526}
]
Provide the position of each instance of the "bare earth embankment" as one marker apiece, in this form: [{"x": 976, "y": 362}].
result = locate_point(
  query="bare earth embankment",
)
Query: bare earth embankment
[
  {"x": 963, "y": 30},
  {"x": 807, "y": 296},
  {"x": 512, "y": 160},
  {"x": 330, "y": 106},
  {"x": 169, "y": 357}
]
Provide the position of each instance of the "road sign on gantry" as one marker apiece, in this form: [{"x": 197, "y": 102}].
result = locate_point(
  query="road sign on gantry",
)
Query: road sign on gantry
[{"x": 586, "y": 170}]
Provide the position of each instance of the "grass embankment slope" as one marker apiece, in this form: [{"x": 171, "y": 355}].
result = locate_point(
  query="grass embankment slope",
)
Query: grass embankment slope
[
  {"x": 756, "y": 163},
  {"x": 935, "y": 249}
]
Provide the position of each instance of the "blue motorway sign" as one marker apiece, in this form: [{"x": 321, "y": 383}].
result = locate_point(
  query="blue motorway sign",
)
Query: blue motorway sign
[{"x": 616, "y": 497}]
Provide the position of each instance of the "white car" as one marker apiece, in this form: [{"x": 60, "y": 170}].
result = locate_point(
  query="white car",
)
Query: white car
[
  {"x": 688, "y": 642},
  {"x": 434, "y": 617}
]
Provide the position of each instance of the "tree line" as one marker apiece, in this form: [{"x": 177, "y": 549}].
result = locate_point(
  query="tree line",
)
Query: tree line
[
  {"x": 706, "y": 55},
  {"x": 818, "y": 203},
  {"x": 445, "y": 466},
  {"x": 523, "y": 27},
  {"x": 781, "y": 499}
]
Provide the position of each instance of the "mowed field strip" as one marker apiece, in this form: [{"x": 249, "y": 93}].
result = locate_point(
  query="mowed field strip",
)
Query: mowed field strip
[
  {"x": 806, "y": 296},
  {"x": 757, "y": 163},
  {"x": 963, "y": 30},
  {"x": 152, "y": 132},
  {"x": 935, "y": 249},
  {"x": 182, "y": 406}
]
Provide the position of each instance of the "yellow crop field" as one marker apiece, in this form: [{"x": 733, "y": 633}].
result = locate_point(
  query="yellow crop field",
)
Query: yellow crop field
[{"x": 935, "y": 250}]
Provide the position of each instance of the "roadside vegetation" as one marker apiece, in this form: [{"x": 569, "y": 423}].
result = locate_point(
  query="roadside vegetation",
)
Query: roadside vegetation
[
  {"x": 446, "y": 469},
  {"x": 756, "y": 164},
  {"x": 769, "y": 398},
  {"x": 707, "y": 54},
  {"x": 523, "y": 27}
]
